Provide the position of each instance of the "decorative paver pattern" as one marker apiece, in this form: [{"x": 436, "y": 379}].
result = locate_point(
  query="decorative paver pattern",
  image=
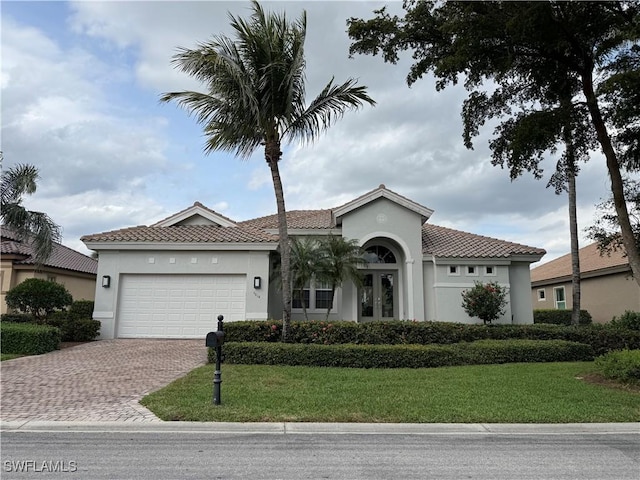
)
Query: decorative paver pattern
[{"x": 97, "y": 381}]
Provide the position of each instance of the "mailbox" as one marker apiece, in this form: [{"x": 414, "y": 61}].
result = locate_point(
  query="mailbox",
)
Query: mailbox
[{"x": 214, "y": 339}]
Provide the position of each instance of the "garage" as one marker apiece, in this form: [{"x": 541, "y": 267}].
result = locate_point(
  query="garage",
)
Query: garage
[{"x": 178, "y": 306}]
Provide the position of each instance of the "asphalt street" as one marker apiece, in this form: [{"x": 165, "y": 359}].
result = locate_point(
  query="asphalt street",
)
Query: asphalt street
[{"x": 195, "y": 453}]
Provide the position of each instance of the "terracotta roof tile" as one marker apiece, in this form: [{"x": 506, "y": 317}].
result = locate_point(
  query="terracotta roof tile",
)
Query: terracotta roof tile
[
  {"x": 446, "y": 242},
  {"x": 183, "y": 234},
  {"x": 590, "y": 261},
  {"x": 61, "y": 256},
  {"x": 303, "y": 219},
  {"x": 195, "y": 204}
]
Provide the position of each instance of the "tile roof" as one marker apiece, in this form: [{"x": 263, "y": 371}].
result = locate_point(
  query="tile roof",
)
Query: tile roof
[
  {"x": 61, "y": 256},
  {"x": 446, "y": 242},
  {"x": 195, "y": 204},
  {"x": 590, "y": 263},
  {"x": 438, "y": 241},
  {"x": 183, "y": 234},
  {"x": 302, "y": 219}
]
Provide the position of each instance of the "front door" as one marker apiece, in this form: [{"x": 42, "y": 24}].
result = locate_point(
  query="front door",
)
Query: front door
[{"x": 378, "y": 296}]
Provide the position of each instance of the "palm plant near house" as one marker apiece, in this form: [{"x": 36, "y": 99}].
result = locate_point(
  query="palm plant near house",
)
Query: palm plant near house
[
  {"x": 18, "y": 181},
  {"x": 256, "y": 98},
  {"x": 339, "y": 260},
  {"x": 304, "y": 264}
]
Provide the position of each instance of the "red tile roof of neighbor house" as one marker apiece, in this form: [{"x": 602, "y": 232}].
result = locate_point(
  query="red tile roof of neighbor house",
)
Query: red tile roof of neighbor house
[
  {"x": 438, "y": 241},
  {"x": 591, "y": 262},
  {"x": 61, "y": 256}
]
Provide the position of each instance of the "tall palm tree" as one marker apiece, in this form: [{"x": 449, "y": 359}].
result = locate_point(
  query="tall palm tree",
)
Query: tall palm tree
[
  {"x": 339, "y": 260},
  {"x": 256, "y": 97},
  {"x": 36, "y": 227}
]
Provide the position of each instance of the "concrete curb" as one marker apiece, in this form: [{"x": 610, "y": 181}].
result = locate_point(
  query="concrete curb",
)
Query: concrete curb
[{"x": 326, "y": 428}]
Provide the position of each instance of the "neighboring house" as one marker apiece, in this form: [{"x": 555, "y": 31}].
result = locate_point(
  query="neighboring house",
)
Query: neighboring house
[
  {"x": 77, "y": 272},
  {"x": 173, "y": 278},
  {"x": 607, "y": 288}
]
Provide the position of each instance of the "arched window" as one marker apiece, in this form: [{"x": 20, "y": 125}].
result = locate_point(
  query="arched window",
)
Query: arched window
[{"x": 379, "y": 254}]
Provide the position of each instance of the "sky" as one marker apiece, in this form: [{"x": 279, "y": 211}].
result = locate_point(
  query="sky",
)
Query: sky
[{"x": 81, "y": 83}]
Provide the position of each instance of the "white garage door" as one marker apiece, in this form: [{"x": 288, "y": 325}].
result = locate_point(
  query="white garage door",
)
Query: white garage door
[{"x": 178, "y": 306}]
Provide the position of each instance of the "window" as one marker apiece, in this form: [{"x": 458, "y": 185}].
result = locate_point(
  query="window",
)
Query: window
[
  {"x": 51, "y": 278},
  {"x": 472, "y": 271},
  {"x": 323, "y": 295},
  {"x": 490, "y": 271},
  {"x": 296, "y": 301},
  {"x": 379, "y": 254},
  {"x": 454, "y": 270},
  {"x": 542, "y": 295},
  {"x": 560, "y": 301},
  {"x": 316, "y": 296}
]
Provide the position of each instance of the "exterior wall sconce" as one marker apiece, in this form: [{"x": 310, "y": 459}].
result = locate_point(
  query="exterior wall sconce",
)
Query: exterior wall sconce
[
  {"x": 106, "y": 281},
  {"x": 257, "y": 282}
]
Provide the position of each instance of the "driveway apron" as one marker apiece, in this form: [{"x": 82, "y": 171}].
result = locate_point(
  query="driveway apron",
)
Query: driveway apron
[{"x": 97, "y": 381}]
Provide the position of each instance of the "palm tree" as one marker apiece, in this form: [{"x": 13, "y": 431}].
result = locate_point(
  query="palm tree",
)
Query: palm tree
[
  {"x": 304, "y": 264},
  {"x": 339, "y": 261},
  {"x": 35, "y": 227},
  {"x": 256, "y": 97}
]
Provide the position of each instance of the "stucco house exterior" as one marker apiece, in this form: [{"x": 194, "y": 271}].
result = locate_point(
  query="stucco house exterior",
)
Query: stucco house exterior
[
  {"x": 607, "y": 287},
  {"x": 77, "y": 272},
  {"x": 173, "y": 278}
]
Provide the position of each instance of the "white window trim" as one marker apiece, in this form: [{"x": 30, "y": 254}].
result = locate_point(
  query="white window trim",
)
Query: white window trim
[
  {"x": 453, "y": 274},
  {"x": 492, "y": 274},
  {"x": 311, "y": 308},
  {"x": 555, "y": 298},
  {"x": 475, "y": 271},
  {"x": 543, "y": 297}
]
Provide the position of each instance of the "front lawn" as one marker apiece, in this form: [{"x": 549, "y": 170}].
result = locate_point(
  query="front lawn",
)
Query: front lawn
[
  {"x": 509, "y": 393},
  {"x": 9, "y": 356}
]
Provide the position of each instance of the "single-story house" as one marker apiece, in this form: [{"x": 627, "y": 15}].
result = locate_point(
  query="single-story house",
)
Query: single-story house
[
  {"x": 77, "y": 272},
  {"x": 607, "y": 287},
  {"x": 173, "y": 278}
]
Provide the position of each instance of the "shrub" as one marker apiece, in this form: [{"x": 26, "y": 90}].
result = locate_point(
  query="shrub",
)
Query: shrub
[
  {"x": 485, "y": 301},
  {"x": 82, "y": 308},
  {"x": 38, "y": 297},
  {"x": 622, "y": 365},
  {"x": 74, "y": 328},
  {"x": 403, "y": 356},
  {"x": 28, "y": 339},
  {"x": 559, "y": 317},
  {"x": 628, "y": 319},
  {"x": 17, "y": 318}
]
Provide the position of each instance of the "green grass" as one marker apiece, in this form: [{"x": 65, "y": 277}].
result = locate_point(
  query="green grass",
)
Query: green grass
[
  {"x": 510, "y": 393},
  {"x": 9, "y": 356}
]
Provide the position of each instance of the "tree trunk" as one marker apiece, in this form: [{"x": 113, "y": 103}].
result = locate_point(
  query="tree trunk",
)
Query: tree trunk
[
  {"x": 273, "y": 155},
  {"x": 333, "y": 292},
  {"x": 617, "y": 186},
  {"x": 575, "y": 256}
]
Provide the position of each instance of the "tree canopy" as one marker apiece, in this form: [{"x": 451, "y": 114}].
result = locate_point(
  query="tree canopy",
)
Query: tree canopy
[{"x": 522, "y": 61}]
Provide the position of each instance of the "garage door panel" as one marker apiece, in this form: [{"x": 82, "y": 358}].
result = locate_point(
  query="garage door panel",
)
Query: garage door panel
[{"x": 178, "y": 306}]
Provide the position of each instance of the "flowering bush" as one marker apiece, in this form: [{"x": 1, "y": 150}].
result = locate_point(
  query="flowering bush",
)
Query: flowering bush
[{"x": 485, "y": 301}]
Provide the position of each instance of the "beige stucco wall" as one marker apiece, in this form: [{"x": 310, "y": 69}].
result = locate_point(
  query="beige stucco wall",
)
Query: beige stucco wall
[
  {"x": 81, "y": 286},
  {"x": 603, "y": 297}
]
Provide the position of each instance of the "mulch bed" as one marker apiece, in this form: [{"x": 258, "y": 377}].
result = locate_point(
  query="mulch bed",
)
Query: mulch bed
[{"x": 597, "y": 379}]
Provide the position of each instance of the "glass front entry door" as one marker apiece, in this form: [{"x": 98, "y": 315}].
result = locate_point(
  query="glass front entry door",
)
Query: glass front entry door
[{"x": 378, "y": 296}]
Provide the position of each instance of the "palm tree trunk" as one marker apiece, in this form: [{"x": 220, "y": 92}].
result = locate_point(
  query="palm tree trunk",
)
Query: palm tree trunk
[
  {"x": 273, "y": 155},
  {"x": 617, "y": 186},
  {"x": 333, "y": 292}
]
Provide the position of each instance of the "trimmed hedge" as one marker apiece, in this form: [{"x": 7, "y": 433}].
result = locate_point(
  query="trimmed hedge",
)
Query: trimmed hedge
[
  {"x": 28, "y": 338},
  {"x": 623, "y": 365},
  {"x": 74, "y": 328},
  {"x": 404, "y": 356},
  {"x": 559, "y": 317},
  {"x": 17, "y": 318},
  {"x": 602, "y": 338}
]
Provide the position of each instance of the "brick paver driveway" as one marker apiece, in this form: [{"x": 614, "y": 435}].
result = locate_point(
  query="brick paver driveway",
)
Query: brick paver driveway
[{"x": 97, "y": 381}]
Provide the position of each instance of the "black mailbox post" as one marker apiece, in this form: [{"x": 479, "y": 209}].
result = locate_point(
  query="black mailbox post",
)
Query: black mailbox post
[{"x": 215, "y": 340}]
